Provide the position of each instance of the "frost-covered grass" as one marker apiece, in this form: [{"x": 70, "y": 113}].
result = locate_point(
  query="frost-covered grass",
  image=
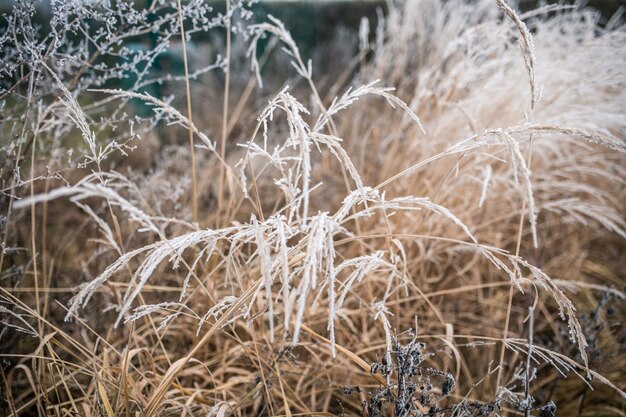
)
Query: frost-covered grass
[{"x": 437, "y": 232}]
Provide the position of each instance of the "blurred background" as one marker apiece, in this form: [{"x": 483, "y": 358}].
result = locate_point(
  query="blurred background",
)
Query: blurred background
[{"x": 325, "y": 31}]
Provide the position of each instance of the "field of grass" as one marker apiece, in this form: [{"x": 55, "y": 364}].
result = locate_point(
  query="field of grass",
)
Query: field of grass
[{"x": 424, "y": 217}]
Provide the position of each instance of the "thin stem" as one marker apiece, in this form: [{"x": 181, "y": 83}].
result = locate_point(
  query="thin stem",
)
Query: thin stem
[
  {"x": 220, "y": 196},
  {"x": 33, "y": 226},
  {"x": 518, "y": 246},
  {"x": 194, "y": 184},
  {"x": 526, "y": 41},
  {"x": 528, "y": 360}
]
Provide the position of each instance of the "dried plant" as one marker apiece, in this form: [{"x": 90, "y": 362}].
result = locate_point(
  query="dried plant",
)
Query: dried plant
[{"x": 472, "y": 166}]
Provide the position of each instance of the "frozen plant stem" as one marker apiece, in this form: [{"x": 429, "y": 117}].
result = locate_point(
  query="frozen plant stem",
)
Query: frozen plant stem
[
  {"x": 528, "y": 360},
  {"x": 220, "y": 197},
  {"x": 518, "y": 245},
  {"x": 529, "y": 61},
  {"x": 194, "y": 186},
  {"x": 33, "y": 219},
  {"x": 33, "y": 227}
]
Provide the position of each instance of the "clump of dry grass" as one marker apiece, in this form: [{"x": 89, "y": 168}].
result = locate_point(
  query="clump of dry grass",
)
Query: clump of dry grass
[{"x": 467, "y": 184}]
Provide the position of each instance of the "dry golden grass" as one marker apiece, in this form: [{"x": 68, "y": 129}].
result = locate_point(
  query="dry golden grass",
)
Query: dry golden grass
[{"x": 479, "y": 204}]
